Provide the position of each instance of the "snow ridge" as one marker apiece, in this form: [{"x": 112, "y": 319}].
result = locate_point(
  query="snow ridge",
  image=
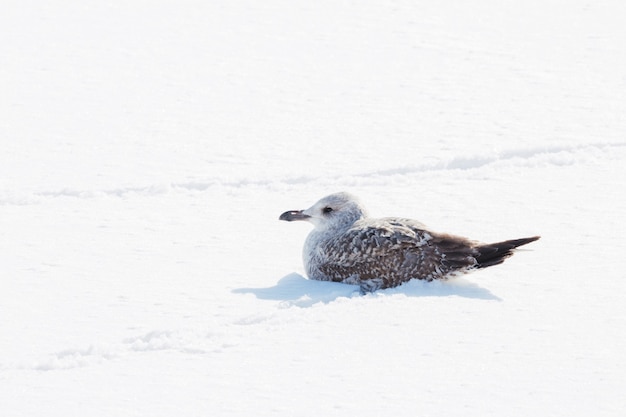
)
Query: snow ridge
[{"x": 522, "y": 157}]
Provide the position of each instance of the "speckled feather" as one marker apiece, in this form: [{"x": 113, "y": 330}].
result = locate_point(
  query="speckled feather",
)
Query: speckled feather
[{"x": 347, "y": 246}]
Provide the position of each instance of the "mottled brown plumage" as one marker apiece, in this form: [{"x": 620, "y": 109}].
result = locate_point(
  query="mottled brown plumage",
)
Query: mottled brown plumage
[{"x": 347, "y": 246}]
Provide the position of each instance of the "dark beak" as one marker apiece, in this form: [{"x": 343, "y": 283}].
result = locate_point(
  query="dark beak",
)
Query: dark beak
[{"x": 293, "y": 215}]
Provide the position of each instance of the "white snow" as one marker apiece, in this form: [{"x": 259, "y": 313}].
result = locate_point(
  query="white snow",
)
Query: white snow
[{"x": 149, "y": 147}]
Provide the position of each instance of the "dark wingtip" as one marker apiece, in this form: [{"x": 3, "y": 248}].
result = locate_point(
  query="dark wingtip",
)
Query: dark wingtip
[
  {"x": 520, "y": 242},
  {"x": 496, "y": 253}
]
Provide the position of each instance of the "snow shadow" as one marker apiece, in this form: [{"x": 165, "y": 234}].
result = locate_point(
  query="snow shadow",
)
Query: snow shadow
[
  {"x": 459, "y": 287},
  {"x": 294, "y": 289}
]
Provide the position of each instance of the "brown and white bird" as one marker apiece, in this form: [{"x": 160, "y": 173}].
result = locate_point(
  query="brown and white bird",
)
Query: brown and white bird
[{"x": 348, "y": 246}]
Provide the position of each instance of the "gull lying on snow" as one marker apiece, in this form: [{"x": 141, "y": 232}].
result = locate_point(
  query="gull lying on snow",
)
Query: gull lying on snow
[{"x": 347, "y": 246}]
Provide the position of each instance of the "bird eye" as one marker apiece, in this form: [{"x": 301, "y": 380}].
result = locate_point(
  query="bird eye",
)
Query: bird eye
[{"x": 327, "y": 210}]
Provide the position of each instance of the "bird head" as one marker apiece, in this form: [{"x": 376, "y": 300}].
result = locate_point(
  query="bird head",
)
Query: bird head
[{"x": 334, "y": 211}]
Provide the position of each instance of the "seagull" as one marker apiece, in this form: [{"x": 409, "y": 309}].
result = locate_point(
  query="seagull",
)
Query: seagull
[{"x": 377, "y": 253}]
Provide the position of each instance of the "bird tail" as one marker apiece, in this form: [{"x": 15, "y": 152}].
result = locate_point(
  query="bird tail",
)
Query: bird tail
[{"x": 495, "y": 253}]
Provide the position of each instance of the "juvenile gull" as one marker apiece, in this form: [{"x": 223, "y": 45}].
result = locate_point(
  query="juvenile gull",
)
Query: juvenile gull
[{"x": 348, "y": 246}]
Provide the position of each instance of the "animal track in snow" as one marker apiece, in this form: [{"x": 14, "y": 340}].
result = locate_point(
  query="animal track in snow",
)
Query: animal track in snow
[{"x": 522, "y": 157}]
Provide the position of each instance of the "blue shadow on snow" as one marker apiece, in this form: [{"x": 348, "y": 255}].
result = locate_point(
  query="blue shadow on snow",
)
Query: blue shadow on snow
[{"x": 294, "y": 289}]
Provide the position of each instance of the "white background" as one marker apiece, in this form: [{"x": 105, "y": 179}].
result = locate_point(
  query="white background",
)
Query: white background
[{"x": 148, "y": 148}]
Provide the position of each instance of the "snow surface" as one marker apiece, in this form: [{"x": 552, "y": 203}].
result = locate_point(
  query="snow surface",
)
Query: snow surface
[{"x": 149, "y": 147}]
